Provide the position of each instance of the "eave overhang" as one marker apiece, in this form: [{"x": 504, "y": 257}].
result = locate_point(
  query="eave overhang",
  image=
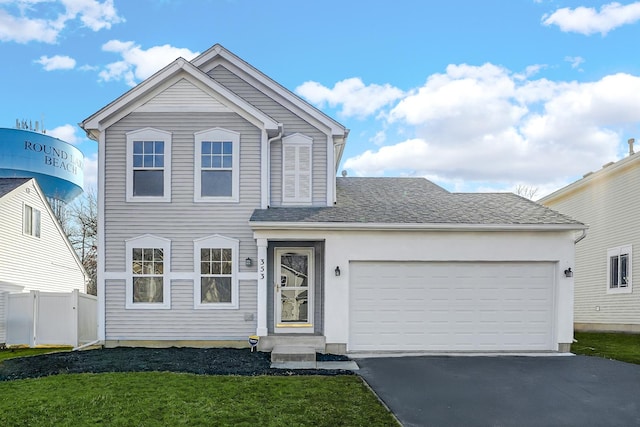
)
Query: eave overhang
[{"x": 273, "y": 225}]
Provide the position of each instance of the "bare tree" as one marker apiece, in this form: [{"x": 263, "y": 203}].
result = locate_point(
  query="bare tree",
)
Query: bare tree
[
  {"x": 79, "y": 221},
  {"x": 526, "y": 191}
]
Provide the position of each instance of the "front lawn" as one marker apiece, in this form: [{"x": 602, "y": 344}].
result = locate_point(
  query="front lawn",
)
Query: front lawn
[
  {"x": 10, "y": 353},
  {"x": 165, "y": 398},
  {"x": 623, "y": 347}
]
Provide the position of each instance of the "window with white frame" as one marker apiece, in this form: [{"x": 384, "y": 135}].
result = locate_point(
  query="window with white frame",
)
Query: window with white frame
[
  {"x": 147, "y": 267},
  {"x": 216, "y": 283},
  {"x": 619, "y": 261},
  {"x": 296, "y": 169},
  {"x": 31, "y": 221},
  {"x": 217, "y": 168},
  {"x": 149, "y": 165}
]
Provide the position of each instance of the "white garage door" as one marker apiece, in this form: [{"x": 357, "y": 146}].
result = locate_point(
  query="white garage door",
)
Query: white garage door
[{"x": 451, "y": 306}]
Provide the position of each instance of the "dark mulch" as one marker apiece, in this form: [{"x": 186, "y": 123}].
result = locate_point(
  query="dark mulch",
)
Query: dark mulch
[{"x": 209, "y": 361}]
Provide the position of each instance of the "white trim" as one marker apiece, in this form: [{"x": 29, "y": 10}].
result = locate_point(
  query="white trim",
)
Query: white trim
[
  {"x": 617, "y": 251},
  {"x": 218, "y": 51},
  {"x": 218, "y": 242},
  {"x": 309, "y": 252},
  {"x": 149, "y": 134},
  {"x": 148, "y": 241},
  {"x": 275, "y": 225},
  {"x": 216, "y": 134},
  {"x": 100, "y": 243},
  {"x": 164, "y": 78}
]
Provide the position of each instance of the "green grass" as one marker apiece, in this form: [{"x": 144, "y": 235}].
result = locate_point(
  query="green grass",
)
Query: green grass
[
  {"x": 173, "y": 399},
  {"x": 623, "y": 347},
  {"x": 11, "y": 353}
]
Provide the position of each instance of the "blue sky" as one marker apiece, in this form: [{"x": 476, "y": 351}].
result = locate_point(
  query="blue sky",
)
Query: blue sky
[{"x": 474, "y": 95}]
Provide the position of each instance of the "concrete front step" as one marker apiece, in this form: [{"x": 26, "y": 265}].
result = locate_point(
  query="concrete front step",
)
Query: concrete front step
[
  {"x": 268, "y": 343},
  {"x": 291, "y": 353}
]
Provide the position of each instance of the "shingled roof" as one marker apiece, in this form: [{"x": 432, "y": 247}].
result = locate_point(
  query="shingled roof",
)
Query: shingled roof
[
  {"x": 7, "y": 185},
  {"x": 415, "y": 201}
]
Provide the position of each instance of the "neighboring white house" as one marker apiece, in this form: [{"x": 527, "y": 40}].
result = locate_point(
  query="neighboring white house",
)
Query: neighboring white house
[
  {"x": 606, "y": 200},
  {"x": 221, "y": 217},
  {"x": 35, "y": 254}
]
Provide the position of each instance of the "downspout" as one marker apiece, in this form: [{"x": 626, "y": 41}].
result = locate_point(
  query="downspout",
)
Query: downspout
[
  {"x": 269, "y": 141},
  {"x": 582, "y": 236}
]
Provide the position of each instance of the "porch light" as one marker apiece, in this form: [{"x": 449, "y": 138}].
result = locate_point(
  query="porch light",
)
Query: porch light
[
  {"x": 568, "y": 272},
  {"x": 337, "y": 271},
  {"x": 248, "y": 262}
]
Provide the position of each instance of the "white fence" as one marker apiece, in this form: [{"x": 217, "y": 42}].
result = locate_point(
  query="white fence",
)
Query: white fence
[{"x": 50, "y": 318}]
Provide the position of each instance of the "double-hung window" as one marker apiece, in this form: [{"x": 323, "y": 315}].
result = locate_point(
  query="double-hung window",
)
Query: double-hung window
[
  {"x": 31, "y": 221},
  {"x": 148, "y": 265},
  {"x": 296, "y": 169},
  {"x": 216, "y": 284},
  {"x": 149, "y": 165},
  {"x": 217, "y": 159},
  {"x": 619, "y": 269}
]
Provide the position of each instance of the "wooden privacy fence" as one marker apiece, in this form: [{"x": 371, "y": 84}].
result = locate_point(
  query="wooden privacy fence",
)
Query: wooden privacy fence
[{"x": 50, "y": 318}]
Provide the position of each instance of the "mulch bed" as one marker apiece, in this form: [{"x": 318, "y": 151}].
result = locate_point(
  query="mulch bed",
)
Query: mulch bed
[{"x": 206, "y": 361}]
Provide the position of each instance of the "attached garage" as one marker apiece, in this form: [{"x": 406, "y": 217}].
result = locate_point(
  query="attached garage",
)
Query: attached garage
[{"x": 451, "y": 306}]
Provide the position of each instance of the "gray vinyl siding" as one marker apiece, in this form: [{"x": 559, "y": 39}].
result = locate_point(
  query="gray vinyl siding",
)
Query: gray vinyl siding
[
  {"x": 182, "y": 322},
  {"x": 46, "y": 263},
  {"x": 609, "y": 206},
  {"x": 181, "y": 221},
  {"x": 292, "y": 124}
]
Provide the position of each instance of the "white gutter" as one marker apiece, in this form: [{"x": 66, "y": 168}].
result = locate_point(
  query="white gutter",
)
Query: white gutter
[
  {"x": 268, "y": 166},
  {"x": 263, "y": 225},
  {"x": 584, "y": 234},
  {"x": 89, "y": 344}
]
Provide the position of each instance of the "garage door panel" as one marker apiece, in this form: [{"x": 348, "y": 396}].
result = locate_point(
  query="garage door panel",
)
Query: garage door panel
[{"x": 450, "y": 306}]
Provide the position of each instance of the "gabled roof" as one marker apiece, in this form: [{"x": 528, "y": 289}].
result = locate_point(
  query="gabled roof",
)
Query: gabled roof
[
  {"x": 416, "y": 203},
  {"x": 218, "y": 51},
  {"x": 7, "y": 185},
  {"x": 180, "y": 68},
  {"x": 608, "y": 170}
]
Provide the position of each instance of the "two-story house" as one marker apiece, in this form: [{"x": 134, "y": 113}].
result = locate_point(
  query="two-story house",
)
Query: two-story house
[
  {"x": 605, "y": 298},
  {"x": 35, "y": 253},
  {"x": 221, "y": 217}
]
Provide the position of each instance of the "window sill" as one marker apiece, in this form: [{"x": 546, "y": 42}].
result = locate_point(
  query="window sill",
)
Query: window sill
[
  {"x": 214, "y": 306},
  {"x": 615, "y": 291}
]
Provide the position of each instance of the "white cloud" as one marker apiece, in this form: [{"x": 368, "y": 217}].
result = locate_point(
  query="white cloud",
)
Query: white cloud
[
  {"x": 22, "y": 21},
  {"x": 587, "y": 21},
  {"x": 356, "y": 98},
  {"x": 137, "y": 64},
  {"x": 91, "y": 172},
  {"x": 484, "y": 126},
  {"x": 575, "y": 61},
  {"x": 57, "y": 62},
  {"x": 67, "y": 133}
]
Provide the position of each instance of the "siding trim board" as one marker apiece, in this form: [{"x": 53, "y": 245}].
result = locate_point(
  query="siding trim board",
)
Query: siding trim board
[{"x": 162, "y": 80}]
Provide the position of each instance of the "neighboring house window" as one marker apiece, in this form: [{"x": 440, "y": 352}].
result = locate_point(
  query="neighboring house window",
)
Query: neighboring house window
[
  {"x": 147, "y": 264},
  {"x": 149, "y": 165},
  {"x": 296, "y": 169},
  {"x": 216, "y": 283},
  {"x": 217, "y": 168},
  {"x": 619, "y": 269},
  {"x": 31, "y": 221}
]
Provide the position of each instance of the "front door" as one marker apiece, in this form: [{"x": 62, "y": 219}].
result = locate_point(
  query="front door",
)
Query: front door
[{"x": 293, "y": 290}]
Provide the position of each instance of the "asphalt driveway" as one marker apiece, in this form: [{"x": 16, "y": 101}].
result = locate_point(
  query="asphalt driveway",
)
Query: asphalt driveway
[{"x": 506, "y": 390}]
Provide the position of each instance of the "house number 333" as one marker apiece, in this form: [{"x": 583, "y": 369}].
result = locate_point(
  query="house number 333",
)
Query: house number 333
[{"x": 261, "y": 269}]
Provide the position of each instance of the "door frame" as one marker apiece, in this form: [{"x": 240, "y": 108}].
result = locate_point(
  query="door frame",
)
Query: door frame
[{"x": 299, "y": 327}]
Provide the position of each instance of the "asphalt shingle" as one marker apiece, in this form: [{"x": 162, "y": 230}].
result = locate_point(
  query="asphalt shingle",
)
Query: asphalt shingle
[
  {"x": 415, "y": 201},
  {"x": 7, "y": 185}
]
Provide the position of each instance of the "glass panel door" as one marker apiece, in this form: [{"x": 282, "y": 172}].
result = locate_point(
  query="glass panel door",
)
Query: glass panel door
[{"x": 294, "y": 289}]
